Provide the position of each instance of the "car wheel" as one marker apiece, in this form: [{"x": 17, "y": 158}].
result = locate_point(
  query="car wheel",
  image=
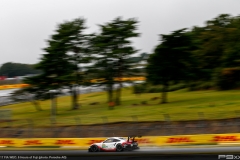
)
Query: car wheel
[
  {"x": 94, "y": 148},
  {"x": 119, "y": 148}
]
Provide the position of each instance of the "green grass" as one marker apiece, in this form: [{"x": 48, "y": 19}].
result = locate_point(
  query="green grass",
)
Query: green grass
[{"x": 183, "y": 105}]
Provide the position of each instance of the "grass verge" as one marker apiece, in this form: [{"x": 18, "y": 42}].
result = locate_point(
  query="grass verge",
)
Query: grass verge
[{"x": 182, "y": 105}]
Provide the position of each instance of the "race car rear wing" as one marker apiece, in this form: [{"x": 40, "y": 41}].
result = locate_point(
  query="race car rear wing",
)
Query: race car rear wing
[{"x": 133, "y": 138}]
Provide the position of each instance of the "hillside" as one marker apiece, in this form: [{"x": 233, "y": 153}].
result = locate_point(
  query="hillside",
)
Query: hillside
[{"x": 183, "y": 105}]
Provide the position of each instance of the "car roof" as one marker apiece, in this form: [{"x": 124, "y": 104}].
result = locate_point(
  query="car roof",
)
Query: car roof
[{"x": 121, "y": 138}]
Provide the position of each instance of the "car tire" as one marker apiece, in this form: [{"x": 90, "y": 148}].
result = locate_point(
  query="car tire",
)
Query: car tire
[
  {"x": 94, "y": 148},
  {"x": 119, "y": 148}
]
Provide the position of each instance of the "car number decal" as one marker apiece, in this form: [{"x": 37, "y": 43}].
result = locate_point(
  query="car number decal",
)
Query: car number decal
[{"x": 104, "y": 146}]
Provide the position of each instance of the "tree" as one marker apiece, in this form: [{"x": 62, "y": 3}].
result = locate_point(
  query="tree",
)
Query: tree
[
  {"x": 24, "y": 95},
  {"x": 170, "y": 61},
  {"x": 11, "y": 70},
  {"x": 55, "y": 70},
  {"x": 76, "y": 45},
  {"x": 113, "y": 50},
  {"x": 218, "y": 49},
  {"x": 212, "y": 41},
  {"x": 60, "y": 66}
]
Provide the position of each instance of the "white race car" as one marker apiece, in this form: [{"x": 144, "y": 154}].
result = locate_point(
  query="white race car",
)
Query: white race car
[{"x": 113, "y": 144}]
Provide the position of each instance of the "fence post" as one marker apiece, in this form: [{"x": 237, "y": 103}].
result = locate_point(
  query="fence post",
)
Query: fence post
[
  {"x": 105, "y": 121},
  {"x": 78, "y": 124},
  {"x": 237, "y": 112},
  {"x": 10, "y": 128},
  {"x": 201, "y": 123},
  {"x": 53, "y": 121},
  {"x": 167, "y": 123},
  {"x": 30, "y": 128},
  {"x": 53, "y": 124},
  {"x": 135, "y": 119}
]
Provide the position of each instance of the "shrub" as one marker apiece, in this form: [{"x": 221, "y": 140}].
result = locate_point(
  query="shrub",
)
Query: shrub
[
  {"x": 228, "y": 78},
  {"x": 139, "y": 88},
  {"x": 176, "y": 87},
  {"x": 154, "y": 90}
]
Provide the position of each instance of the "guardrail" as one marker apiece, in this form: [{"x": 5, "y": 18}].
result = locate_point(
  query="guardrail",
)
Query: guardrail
[{"x": 146, "y": 141}]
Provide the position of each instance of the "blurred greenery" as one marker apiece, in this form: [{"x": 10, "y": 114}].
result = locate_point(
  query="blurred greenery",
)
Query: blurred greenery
[
  {"x": 203, "y": 58},
  {"x": 198, "y": 66},
  {"x": 183, "y": 105},
  {"x": 11, "y": 70}
]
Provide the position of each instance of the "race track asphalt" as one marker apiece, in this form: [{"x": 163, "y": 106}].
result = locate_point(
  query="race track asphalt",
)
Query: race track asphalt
[{"x": 150, "y": 153}]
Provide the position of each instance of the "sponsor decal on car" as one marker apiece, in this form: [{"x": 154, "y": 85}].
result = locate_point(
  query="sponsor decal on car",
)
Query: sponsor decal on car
[{"x": 104, "y": 146}]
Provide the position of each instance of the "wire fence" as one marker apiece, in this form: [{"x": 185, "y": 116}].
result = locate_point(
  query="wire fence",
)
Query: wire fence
[
  {"x": 7, "y": 99},
  {"x": 106, "y": 126}
]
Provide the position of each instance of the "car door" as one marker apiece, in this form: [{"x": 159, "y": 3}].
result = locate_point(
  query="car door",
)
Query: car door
[
  {"x": 108, "y": 144},
  {"x": 115, "y": 142},
  {"x": 112, "y": 144}
]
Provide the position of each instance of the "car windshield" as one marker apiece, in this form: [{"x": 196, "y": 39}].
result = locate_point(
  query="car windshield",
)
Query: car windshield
[{"x": 108, "y": 141}]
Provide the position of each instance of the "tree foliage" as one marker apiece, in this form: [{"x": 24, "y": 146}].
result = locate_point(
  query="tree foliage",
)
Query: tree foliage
[
  {"x": 112, "y": 49},
  {"x": 171, "y": 61},
  {"x": 60, "y": 66},
  {"x": 210, "y": 53},
  {"x": 218, "y": 47},
  {"x": 11, "y": 70}
]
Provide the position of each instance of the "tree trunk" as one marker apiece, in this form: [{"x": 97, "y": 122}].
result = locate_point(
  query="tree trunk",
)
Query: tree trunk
[
  {"x": 118, "y": 94},
  {"x": 75, "y": 104},
  {"x": 110, "y": 96},
  {"x": 54, "y": 101},
  {"x": 164, "y": 94},
  {"x": 36, "y": 105}
]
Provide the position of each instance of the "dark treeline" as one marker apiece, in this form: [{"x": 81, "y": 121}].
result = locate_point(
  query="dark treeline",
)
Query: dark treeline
[
  {"x": 201, "y": 57},
  {"x": 217, "y": 51},
  {"x": 12, "y": 70},
  {"x": 197, "y": 58}
]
